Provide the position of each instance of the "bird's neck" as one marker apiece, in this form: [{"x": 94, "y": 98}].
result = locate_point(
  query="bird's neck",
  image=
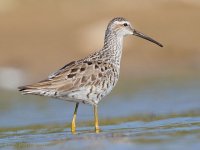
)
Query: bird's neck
[{"x": 112, "y": 49}]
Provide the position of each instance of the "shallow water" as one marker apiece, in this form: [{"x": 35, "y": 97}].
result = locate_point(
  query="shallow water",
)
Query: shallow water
[{"x": 147, "y": 114}]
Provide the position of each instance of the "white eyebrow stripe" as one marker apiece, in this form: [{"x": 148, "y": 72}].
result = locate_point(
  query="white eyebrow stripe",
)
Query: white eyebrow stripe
[{"x": 122, "y": 22}]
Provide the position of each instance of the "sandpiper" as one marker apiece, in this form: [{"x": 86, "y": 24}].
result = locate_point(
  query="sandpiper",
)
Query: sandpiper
[{"x": 90, "y": 79}]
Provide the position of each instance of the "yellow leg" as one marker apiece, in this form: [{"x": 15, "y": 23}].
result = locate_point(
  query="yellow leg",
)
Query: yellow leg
[
  {"x": 73, "y": 126},
  {"x": 96, "y": 120}
]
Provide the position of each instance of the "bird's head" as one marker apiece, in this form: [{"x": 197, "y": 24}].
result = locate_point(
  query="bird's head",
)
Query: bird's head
[{"x": 122, "y": 27}]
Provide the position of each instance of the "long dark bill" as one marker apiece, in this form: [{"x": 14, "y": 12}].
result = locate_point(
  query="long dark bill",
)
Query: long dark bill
[{"x": 139, "y": 34}]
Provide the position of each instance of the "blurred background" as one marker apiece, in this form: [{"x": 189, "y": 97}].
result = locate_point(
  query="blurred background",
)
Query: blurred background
[{"x": 39, "y": 37}]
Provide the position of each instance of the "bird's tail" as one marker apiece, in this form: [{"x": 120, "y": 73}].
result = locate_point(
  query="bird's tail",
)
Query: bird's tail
[
  {"x": 30, "y": 90},
  {"x": 23, "y": 89},
  {"x": 40, "y": 88}
]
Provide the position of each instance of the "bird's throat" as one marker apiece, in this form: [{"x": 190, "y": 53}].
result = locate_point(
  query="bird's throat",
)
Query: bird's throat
[{"x": 112, "y": 49}]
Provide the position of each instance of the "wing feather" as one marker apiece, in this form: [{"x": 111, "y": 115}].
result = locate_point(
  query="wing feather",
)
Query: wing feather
[{"x": 71, "y": 79}]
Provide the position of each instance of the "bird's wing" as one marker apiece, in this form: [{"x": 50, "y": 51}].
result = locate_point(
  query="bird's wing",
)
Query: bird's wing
[
  {"x": 71, "y": 77},
  {"x": 79, "y": 74},
  {"x": 63, "y": 69}
]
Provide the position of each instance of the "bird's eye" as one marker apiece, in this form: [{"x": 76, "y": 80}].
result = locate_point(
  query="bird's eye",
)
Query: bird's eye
[{"x": 125, "y": 24}]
